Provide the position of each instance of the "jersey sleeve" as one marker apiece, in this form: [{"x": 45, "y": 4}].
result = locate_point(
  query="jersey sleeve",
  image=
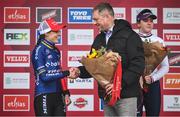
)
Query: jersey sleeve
[{"x": 41, "y": 69}]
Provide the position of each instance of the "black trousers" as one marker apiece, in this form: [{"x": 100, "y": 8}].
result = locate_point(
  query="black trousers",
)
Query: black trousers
[
  {"x": 151, "y": 100},
  {"x": 51, "y": 104}
]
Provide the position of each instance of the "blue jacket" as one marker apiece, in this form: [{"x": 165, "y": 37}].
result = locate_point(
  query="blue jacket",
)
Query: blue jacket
[{"x": 47, "y": 68}]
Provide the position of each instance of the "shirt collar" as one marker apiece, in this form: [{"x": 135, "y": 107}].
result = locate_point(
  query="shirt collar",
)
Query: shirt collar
[
  {"x": 48, "y": 43},
  {"x": 145, "y": 35}
]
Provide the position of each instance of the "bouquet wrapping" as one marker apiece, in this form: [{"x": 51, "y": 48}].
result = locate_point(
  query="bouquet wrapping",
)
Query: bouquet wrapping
[
  {"x": 105, "y": 67},
  {"x": 154, "y": 54}
]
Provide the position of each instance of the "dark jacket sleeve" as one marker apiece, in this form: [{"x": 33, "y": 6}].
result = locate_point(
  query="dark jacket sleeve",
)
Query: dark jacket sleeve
[
  {"x": 83, "y": 72},
  {"x": 135, "y": 53}
]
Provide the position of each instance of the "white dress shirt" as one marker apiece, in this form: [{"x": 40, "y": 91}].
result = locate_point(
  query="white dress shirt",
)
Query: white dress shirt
[{"x": 109, "y": 33}]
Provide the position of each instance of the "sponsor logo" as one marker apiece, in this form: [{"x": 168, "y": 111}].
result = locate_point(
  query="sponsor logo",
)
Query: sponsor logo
[
  {"x": 44, "y": 104},
  {"x": 171, "y": 15},
  {"x": 79, "y": 15},
  {"x": 16, "y": 36},
  {"x": 80, "y": 36},
  {"x": 52, "y": 64},
  {"x": 174, "y": 59},
  {"x": 171, "y": 81},
  {"x": 171, "y": 103},
  {"x": 81, "y": 83},
  {"x": 16, "y": 14},
  {"x": 52, "y": 72},
  {"x": 16, "y": 81},
  {"x": 81, "y": 103},
  {"x": 171, "y": 37},
  {"x": 16, "y": 102},
  {"x": 119, "y": 13},
  {"x": 73, "y": 56},
  {"x": 135, "y": 12},
  {"x": 80, "y": 80},
  {"x": 43, "y": 13},
  {"x": 16, "y": 58},
  {"x": 49, "y": 14}
]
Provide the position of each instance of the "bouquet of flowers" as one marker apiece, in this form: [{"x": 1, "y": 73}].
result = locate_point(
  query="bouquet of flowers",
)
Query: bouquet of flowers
[
  {"x": 154, "y": 54},
  {"x": 105, "y": 67}
]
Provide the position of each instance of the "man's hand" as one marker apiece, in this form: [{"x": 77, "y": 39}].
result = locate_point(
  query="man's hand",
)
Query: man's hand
[
  {"x": 67, "y": 100},
  {"x": 148, "y": 79},
  {"x": 109, "y": 88},
  {"x": 114, "y": 55},
  {"x": 74, "y": 73}
]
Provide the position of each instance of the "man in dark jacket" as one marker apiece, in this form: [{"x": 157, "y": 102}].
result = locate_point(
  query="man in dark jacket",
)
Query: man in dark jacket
[{"x": 118, "y": 36}]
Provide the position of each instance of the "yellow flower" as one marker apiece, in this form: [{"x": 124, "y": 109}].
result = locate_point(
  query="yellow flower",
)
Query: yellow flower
[
  {"x": 93, "y": 54},
  {"x": 96, "y": 53}
]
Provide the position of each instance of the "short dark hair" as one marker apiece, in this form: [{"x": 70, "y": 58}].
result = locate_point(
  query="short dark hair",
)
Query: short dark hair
[
  {"x": 104, "y": 6},
  {"x": 42, "y": 36}
]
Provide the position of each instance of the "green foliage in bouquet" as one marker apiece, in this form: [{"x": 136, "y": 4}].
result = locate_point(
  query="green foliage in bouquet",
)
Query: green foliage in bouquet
[{"x": 97, "y": 53}]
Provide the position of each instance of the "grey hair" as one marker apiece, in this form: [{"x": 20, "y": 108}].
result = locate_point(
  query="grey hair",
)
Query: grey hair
[{"x": 104, "y": 6}]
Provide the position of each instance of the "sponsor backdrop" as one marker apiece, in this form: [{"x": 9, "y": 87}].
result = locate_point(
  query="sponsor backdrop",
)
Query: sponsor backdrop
[{"x": 19, "y": 23}]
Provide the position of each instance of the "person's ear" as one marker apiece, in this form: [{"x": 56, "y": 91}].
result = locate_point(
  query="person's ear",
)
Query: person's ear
[{"x": 138, "y": 25}]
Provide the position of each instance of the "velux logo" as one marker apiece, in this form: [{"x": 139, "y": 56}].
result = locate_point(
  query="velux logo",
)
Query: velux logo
[
  {"x": 16, "y": 58},
  {"x": 172, "y": 37}
]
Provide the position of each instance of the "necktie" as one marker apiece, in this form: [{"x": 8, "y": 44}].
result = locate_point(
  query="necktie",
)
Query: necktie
[{"x": 108, "y": 34}]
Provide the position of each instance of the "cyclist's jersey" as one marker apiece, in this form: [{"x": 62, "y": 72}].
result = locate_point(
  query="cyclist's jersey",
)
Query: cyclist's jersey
[
  {"x": 157, "y": 74},
  {"x": 47, "y": 68}
]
